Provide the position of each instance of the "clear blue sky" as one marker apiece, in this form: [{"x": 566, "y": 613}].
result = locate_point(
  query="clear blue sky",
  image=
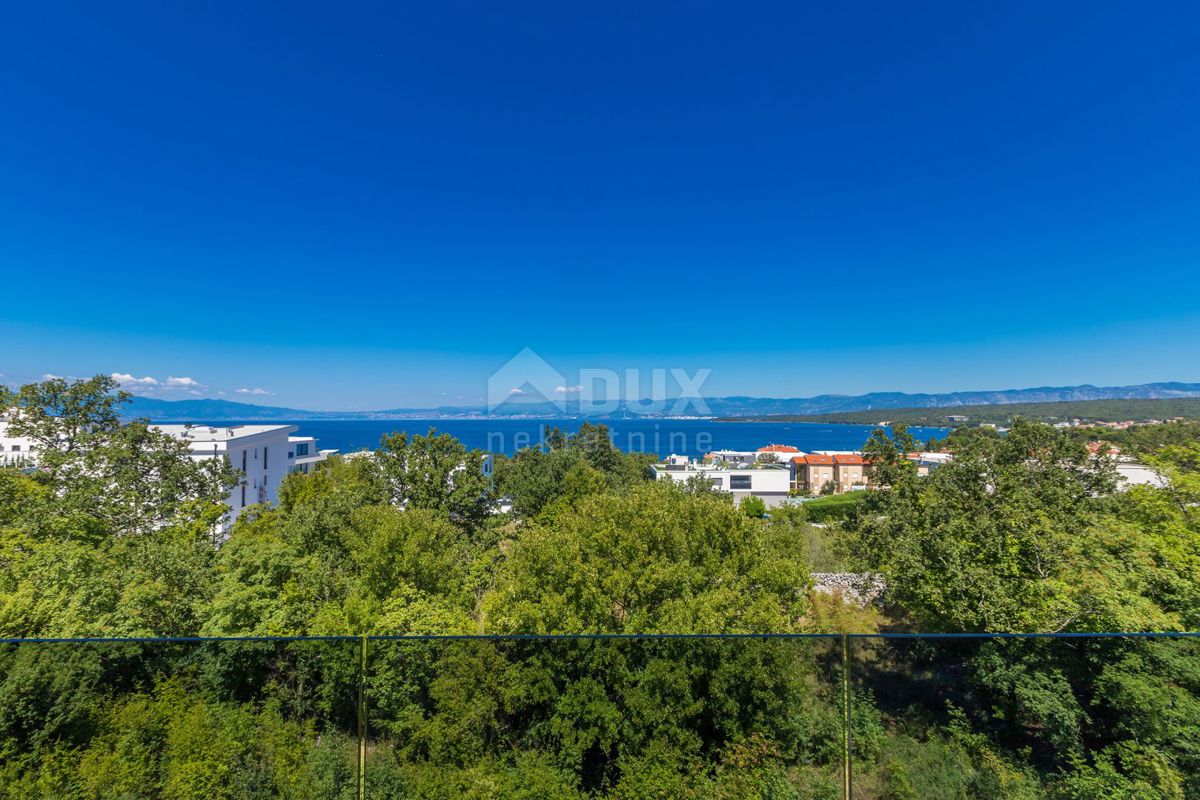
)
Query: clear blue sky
[{"x": 367, "y": 205}]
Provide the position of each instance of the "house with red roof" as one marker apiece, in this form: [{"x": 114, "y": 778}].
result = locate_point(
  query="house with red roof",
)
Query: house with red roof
[
  {"x": 777, "y": 452},
  {"x": 814, "y": 471},
  {"x": 850, "y": 472}
]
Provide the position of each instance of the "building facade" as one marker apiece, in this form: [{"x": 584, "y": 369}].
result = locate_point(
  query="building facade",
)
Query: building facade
[
  {"x": 15, "y": 451},
  {"x": 303, "y": 454},
  {"x": 770, "y": 482},
  {"x": 264, "y": 454},
  {"x": 813, "y": 472},
  {"x": 850, "y": 472}
]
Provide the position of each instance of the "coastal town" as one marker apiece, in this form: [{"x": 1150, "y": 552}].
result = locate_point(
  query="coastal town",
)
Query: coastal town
[{"x": 777, "y": 474}]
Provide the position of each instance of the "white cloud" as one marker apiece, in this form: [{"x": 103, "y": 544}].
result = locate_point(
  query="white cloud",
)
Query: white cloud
[
  {"x": 256, "y": 391},
  {"x": 568, "y": 389},
  {"x": 50, "y": 376},
  {"x": 125, "y": 379},
  {"x": 182, "y": 383},
  {"x": 515, "y": 390}
]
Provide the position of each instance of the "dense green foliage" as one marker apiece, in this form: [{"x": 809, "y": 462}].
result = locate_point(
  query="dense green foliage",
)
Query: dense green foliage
[
  {"x": 832, "y": 507},
  {"x": 1025, "y": 532},
  {"x": 1089, "y": 410},
  {"x": 1146, "y": 439}
]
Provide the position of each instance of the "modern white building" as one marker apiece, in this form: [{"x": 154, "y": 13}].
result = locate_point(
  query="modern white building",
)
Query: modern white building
[
  {"x": 263, "y": 453},
  {"x": 1131, "y": 473},
  {"x": 259, "y": 451},
  {"x": 732, "y": 456},
  {"x": 771, "y": 482},
  {"x": 15, "y": 450},
  {"x": 303, "y": 454}
]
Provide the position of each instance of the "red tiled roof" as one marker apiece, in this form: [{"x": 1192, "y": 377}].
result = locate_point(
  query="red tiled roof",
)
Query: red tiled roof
[
  {"x": 849, "y": 460},
  {"x": 816, "y": 458},
  {"x": 779, "y": 448}
]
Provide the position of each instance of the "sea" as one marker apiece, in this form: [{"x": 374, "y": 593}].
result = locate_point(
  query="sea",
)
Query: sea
[{"x": 689, "y": 437}]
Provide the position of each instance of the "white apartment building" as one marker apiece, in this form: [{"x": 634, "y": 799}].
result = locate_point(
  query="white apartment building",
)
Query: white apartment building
[
  {"x": 771, "y": 482},
  {"x": 259, "y": 451},
  {"x": 263, "y": 453}
]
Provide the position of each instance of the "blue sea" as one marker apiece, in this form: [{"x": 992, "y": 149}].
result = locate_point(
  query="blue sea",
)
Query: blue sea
[{"x": 691, "y": 437}]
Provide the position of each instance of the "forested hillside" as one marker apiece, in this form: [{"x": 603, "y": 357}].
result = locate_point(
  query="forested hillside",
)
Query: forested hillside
[
  {"x": 1087, "y": 410},
  {"x": 112, "y": 537}
]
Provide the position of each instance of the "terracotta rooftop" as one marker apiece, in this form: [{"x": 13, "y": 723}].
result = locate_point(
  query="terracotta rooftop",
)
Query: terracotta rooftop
[
  {"x": 817, "y": 458},
  {"x": 848, "y": 459},
  {"x": 779, "y": 448}
]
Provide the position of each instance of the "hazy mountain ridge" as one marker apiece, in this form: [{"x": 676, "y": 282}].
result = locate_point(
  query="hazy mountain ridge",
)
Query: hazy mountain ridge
[{"x": 216, "y": 410}]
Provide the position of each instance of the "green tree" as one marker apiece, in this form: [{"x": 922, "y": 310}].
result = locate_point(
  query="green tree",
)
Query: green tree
[
  {"x": 887, "y": 464},
  {"x": 753, "y": 507},
  {"x": 988, "y": 541},
  {"x": 653, "y": 558},
  {"x": 130, "y": 479},
  {"x": 63, "y": 417},
  {"x": 434, "y": 472}
]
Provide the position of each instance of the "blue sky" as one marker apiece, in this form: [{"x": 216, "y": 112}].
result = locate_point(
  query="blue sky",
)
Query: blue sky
[{"x": 375, "y": 205}]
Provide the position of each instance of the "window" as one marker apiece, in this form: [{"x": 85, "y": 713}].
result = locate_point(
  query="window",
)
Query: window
[
  {"x": 243, "y": 505},
  {"x": 302, "y": 449},
  {"x": 16, "y": 448},
  {"x": 739, "y": 481},
  {"x": 243, "y": 468},
  {"x": 265, "y": 466}
]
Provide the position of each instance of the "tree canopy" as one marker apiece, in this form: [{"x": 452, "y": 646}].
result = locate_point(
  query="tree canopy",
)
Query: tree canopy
[{"x": 1025, "y": 532}]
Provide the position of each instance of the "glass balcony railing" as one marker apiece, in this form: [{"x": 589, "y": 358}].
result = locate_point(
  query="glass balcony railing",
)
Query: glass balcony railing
[{"x": 823, "y": 716}]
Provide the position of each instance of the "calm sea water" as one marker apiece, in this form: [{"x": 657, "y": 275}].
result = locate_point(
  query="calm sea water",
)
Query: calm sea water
[{"x": 681, "y": 436}]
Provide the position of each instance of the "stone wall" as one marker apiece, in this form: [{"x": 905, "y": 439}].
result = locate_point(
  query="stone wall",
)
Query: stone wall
[{"x": 862, "y": 588}]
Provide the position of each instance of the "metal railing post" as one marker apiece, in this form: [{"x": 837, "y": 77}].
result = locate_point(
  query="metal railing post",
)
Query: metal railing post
[
  {"x": 846, "y": 716},
  {"x": 362, "y": 719}
]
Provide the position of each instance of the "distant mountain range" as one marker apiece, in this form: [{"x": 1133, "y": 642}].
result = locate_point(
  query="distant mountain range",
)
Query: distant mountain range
[{"x": 208, "y": 410}]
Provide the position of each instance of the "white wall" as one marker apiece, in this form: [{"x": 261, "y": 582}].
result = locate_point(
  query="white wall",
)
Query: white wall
[
  {"x": 265, "y": 456},
  {"x": 772, "y": 484},
  {"x": 15, "y": 449}
]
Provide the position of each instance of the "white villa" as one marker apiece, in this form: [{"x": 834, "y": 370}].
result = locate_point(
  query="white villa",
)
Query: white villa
[{"x": 769, "y": 481}]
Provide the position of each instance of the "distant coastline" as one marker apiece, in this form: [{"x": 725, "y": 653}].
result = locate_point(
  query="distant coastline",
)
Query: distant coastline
[{"x": 829, "y": 408}]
